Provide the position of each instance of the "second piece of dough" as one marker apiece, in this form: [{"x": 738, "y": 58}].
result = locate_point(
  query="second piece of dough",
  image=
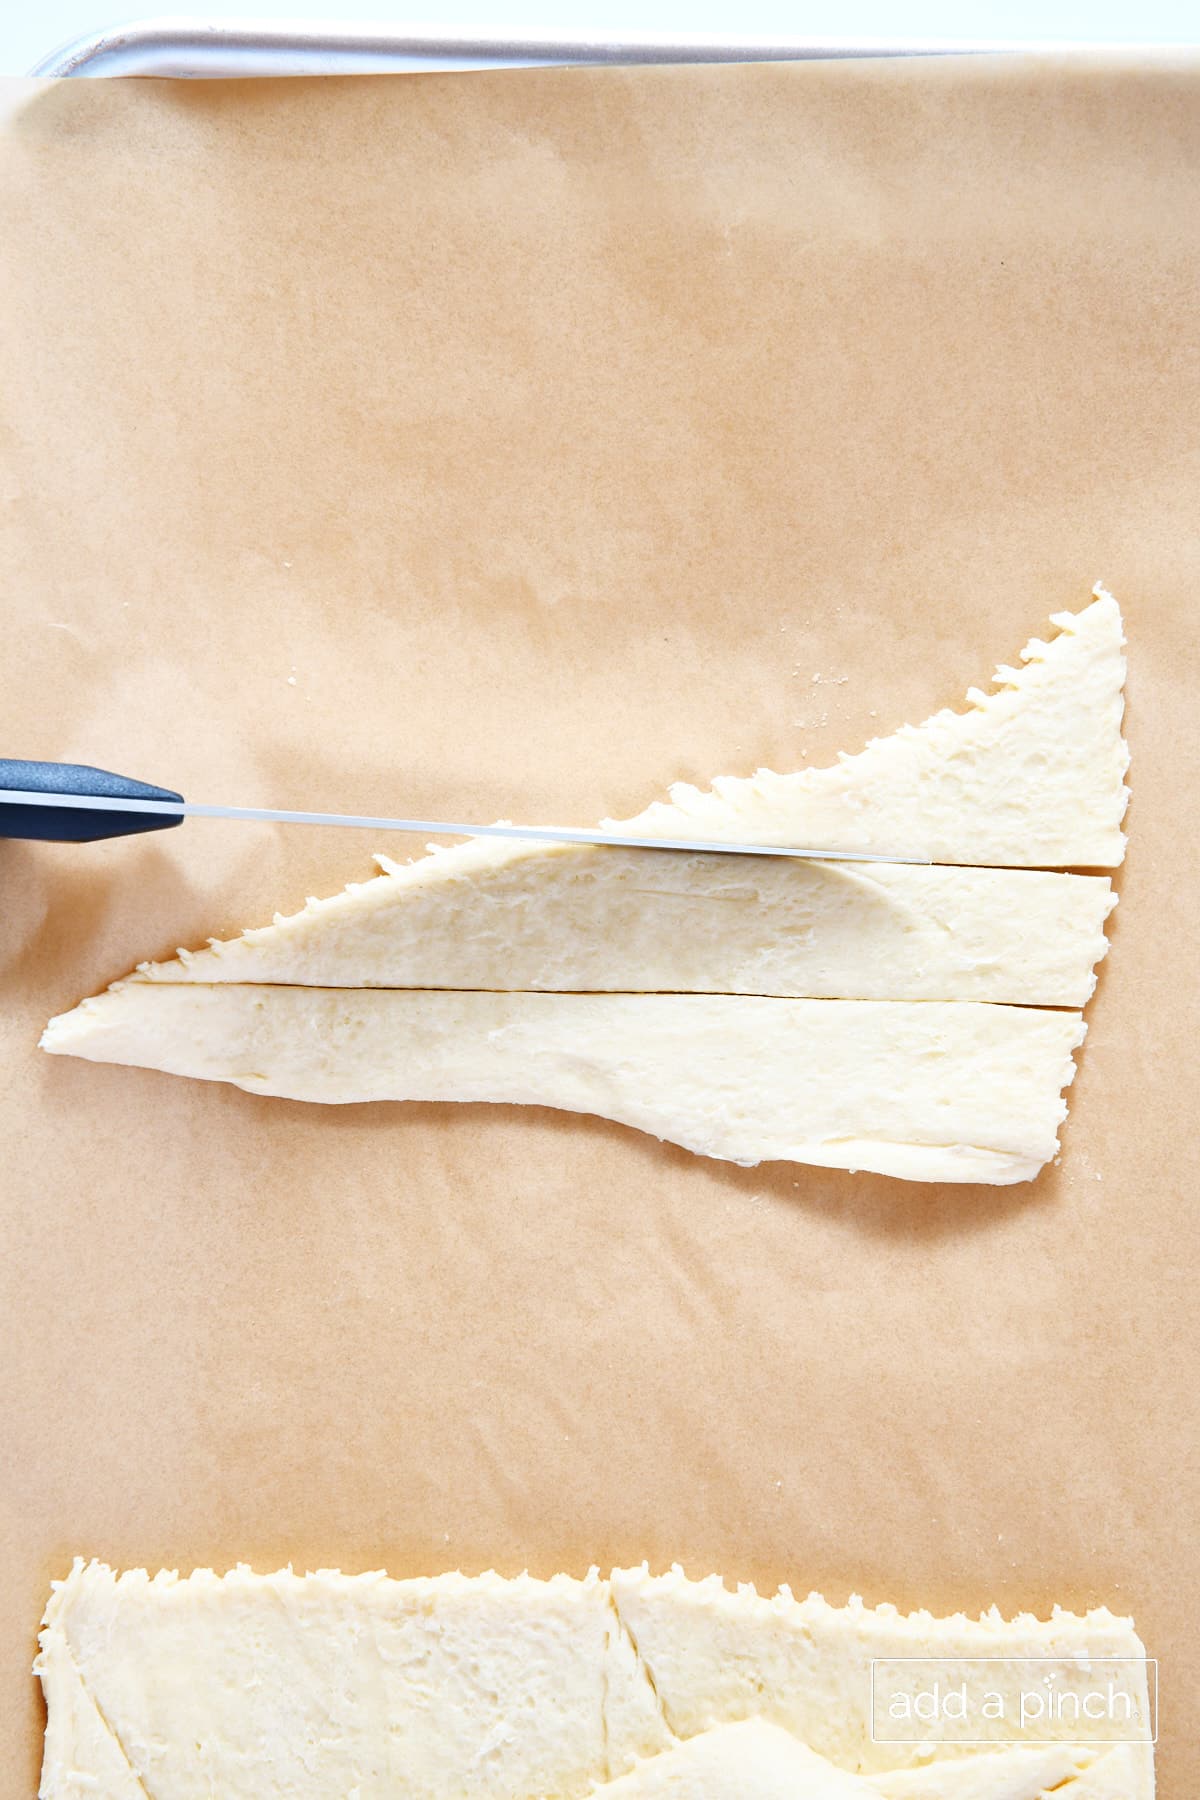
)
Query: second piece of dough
[{"x": 566, "y": 919}]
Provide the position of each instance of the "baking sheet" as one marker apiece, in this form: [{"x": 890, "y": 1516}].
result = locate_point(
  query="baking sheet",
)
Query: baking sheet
[
  {"x": 184, "y": 49},
  {"x": 513, "y": 443}
]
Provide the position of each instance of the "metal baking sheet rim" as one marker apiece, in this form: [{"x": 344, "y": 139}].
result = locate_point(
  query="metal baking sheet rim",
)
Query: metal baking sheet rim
[{"x": 192, "y": 48}]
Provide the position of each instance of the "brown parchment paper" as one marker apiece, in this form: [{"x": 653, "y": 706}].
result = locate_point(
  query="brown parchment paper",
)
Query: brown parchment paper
[{"x": 507, "y": 445}]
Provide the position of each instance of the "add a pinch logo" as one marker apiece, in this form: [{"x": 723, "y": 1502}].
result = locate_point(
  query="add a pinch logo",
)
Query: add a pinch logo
[{"x": 1014, "y": 1699}]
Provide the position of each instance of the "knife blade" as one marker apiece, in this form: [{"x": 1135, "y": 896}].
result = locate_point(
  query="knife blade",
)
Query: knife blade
[{"x": 71, "y": 802}]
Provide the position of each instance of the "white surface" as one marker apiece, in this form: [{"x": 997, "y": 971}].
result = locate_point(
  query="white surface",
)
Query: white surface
[{"x": 27, "y": 33}]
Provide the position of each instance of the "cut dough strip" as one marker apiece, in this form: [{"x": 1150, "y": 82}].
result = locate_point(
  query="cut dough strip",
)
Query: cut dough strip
[
  {"x": 635, "y": 1687},
  {"x": 563, "y": 919},
  {"x": 1031, "y": 776},
  {"x": 929, "y": 1091}
]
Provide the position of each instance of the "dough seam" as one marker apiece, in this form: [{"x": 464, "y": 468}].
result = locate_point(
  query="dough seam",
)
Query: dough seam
[
  {"x": 644, "y": 1669},
  {"x": 632, "y": 993},
  {"x": 109, "y": 1729}
]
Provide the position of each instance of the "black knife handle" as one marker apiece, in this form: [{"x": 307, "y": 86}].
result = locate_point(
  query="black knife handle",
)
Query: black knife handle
[{"x": 76, "y": 825}]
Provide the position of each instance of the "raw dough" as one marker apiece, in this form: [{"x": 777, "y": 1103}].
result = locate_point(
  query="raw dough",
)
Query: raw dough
[
  {"x": 568, "y": 919},
  {"x": 661, "y": 990},
  {"x": 1032, "y": 776},
  {"x": 265, "y": 1687},
  {"x": 748, "y": 1761},
  {"x": 290, "y": 1687},
  {"x": 714, "y": 1655},
  {"x": 930, "y": 1091},
  {"x": 754, "y": 1760},
  {"x": 1018, "y": 1773},
  {"x": 1125, "y": 1772}
]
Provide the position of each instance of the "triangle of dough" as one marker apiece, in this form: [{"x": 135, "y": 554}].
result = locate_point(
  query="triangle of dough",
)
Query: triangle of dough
[
  {"x": 1032, "y": 775},
  {"x": 650, "y": 988}
]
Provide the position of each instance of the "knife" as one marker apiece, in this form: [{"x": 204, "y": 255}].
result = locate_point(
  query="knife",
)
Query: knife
[{"x": 71, "y": 803}]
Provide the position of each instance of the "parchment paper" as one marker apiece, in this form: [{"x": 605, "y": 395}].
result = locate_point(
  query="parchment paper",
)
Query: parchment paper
[{"x": 508, "y": 445}]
